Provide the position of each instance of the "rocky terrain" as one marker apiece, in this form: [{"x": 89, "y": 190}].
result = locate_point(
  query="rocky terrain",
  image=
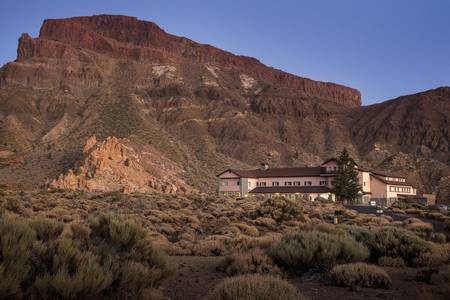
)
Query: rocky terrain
[{"x": 198, "y": 108}]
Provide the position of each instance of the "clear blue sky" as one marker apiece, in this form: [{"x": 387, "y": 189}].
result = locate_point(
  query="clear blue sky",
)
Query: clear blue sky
[{"x": 384, "y": 48}]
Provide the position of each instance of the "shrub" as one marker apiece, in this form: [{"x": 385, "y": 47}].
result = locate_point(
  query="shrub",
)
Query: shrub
[
  {"x": 396, "y": 262},
  {"x": 255, "y": 261},
  {"x": 111, "y": 260},
  {"x": 360, "y": 274},
  {"x": 392, "y": 242},
  {"x": 255, "y": 287},
  {"x": 441, "y": 280},
  {"x": 315, "y": 249},
  {"x": 281, "y": 210},
  {"x": 46, "y": 229}
]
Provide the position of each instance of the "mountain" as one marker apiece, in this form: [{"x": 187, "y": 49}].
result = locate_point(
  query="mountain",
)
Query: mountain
[{"x": 201, "y": 108}]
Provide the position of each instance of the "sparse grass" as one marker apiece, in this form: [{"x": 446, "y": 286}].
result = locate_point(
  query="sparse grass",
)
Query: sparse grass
[
  {"x": 360, "y": 274},
  {"x": 255, "y": 287}
]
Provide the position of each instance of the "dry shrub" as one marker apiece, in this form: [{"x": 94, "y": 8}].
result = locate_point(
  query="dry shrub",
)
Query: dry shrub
[
  {"x": 255, "y": 287},
  {"x": 304, "y": 250},
  {"x": 392, "y": 242},
  {"x": 441, "y": 282},
  {"x": 436, "y": 216},
  {"x": 395, "y": 262},
  {"x": 247, "y": 229},
  {"x": 360, "y": 274},
  {"x": 112, "y": 259},
  {"x": 413, "y": 211},
  {"x": 438, "y": 255},
  {"x": 280, "y": 209},
  {"x": 254, "y": 261}
]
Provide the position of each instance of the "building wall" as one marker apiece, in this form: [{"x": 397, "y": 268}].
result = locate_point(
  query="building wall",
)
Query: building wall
[
  {"x": 364, "y": 181},
  {"x": 315, "y": 180},
  {"x": 228, "y": 182},
  {"x": 330, "y": 166},
  {"x": 378, "y": 188},
  {"x": 391, "y": 193}
]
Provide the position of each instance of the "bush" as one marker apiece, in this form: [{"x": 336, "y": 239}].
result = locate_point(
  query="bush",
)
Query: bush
[
  {"x": 281, "y": 210},
  {"x": 396, "y": 262},
  {"x": 304, "y": 250},
  {"x": 255, "y": 287},
  {"x": 112, "y": 259},
  {"x": 253, "y": 262},
  {"x": 360, "y": 274},
  {"x": 392, "y": 242}
]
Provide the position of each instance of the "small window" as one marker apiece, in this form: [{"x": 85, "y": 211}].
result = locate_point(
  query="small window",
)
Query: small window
[
  {"x": 238, "y": 182},
  {"x": 308, "y": 183}
]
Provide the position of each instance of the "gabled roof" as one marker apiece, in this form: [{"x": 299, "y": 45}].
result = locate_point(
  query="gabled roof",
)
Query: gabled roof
[
  {"x": 290, "y": 189},
  {"x": 328, "y": 160},
  {"x": 278, "y": 172}
]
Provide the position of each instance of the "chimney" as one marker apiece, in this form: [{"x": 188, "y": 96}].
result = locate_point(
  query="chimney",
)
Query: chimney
[{"x": 264, "y": 166}]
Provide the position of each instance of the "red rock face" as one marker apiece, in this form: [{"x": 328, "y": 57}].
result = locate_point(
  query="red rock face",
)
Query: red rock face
[{"x": 130, "y": 38}]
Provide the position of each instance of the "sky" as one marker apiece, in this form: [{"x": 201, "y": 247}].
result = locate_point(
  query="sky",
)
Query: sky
[{"x": 384, "y": 48}]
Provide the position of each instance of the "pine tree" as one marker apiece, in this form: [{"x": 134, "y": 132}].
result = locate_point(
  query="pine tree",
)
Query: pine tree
[{"x": 346, "y": 186}]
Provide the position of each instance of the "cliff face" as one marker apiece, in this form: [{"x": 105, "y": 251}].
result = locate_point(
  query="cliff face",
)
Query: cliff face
[
  {"x": 202, "y": 108},
  {"x": 129, "y": 38}
]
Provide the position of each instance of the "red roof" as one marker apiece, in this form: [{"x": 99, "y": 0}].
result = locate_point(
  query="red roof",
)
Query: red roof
[{"x": 278, "y": 172}]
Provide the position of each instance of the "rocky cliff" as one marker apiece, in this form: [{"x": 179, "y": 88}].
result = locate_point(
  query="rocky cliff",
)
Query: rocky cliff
[
  {"x": 112, "y": 166},
  {"x": 128, "y": 38}
]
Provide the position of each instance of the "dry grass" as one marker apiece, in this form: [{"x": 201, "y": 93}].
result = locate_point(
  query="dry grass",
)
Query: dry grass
[
  {"x": 360, "y": 274},
  {"x": 255, "y": 287},
  {"x": 255, "y": 261}
]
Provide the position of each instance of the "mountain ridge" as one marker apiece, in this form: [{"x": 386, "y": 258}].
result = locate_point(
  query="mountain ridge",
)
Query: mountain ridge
[{"x": 197, "y": 109}]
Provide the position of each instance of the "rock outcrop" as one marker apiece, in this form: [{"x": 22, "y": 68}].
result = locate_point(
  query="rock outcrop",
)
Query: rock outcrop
[{"x": 112, "y": 166}]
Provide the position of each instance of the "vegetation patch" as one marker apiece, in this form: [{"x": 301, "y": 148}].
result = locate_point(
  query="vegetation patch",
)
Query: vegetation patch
[
  {"x": 110, "y": 258},
  {"x": 392, "y": 242},
  {"x": 255, "y": 261},
  {"x": 360, "y": 274},
  {"x": 305, "y": 250},
  {"x": 255, "y": 287}
]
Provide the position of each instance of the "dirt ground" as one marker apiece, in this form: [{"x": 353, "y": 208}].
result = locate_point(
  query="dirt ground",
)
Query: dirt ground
[{"x": 197, "y": 275}]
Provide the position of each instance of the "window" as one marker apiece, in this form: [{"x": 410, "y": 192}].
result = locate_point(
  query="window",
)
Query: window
[
  {"x": 308, "y": 183},
  {"x": 298, "y": 183},
  {"x": 225, "y": 183},
  {"x": 261, "y": 184},
  {"x": 275, "y": 183},
  {"x": 288, "y": 183},
  {"x": 238, "y": 182},
  {"x": 323, "y": 182}
]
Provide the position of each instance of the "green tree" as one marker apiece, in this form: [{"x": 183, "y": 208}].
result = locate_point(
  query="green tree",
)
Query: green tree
[{"x": 346, "y": 186}]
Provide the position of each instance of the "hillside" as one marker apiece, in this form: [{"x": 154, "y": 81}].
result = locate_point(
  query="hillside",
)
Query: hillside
[{"x": 196, "y": 107}]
